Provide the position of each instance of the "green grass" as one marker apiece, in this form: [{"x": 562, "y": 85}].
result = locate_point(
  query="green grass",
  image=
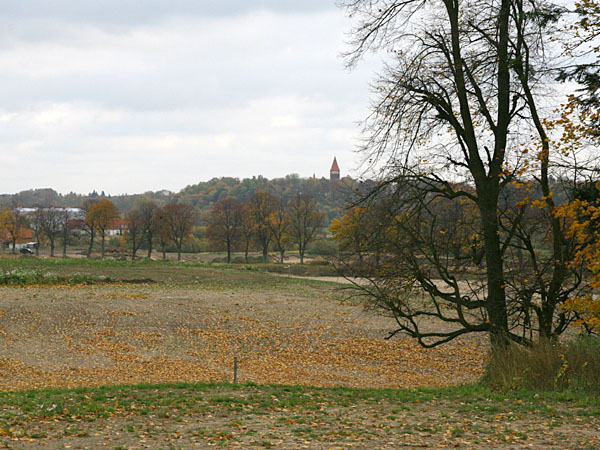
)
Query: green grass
[
  {"x": 28, "y": 270},
  {"x": 93, "y": 403},
  {"x": 306, "y": 413}
]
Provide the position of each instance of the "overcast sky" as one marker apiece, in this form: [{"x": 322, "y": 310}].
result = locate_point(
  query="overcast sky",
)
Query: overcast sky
[{"x": 127, "y": 96}]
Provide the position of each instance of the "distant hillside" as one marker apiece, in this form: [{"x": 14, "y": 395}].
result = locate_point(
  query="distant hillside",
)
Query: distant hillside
[{"x": 331, "y": 197}]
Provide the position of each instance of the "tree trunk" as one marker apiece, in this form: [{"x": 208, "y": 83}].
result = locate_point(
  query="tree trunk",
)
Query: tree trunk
[
  {"x": 164, "y": 254},
  {"x": 37, "y": 248},
  {"x": 150, "y": 249},
  {"x": 102, "y": 247},
  {"x": 14, "y": 244},
  {"x": 65, "y": 245},
  {"x": 228, "y": 252},
  {"x": 179, "y": 253},
  {"x": 496, "y": 299},
  {"x": 89, "y": 252},
  {"x": 52, "y": 248},
  {"x": 265, "y": 254},
  {"x": 281, "y": 252}
]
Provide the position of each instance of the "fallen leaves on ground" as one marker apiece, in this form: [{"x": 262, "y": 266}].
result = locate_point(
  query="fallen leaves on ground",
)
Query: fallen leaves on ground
[{"x": 121, "y": 334}]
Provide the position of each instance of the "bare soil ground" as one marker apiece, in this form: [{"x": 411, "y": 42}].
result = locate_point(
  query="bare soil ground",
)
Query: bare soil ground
[{"x": 289, "y": 333}]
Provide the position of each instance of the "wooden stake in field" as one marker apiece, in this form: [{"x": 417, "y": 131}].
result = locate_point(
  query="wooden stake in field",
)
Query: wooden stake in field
[{"x": 235, "y": 364}]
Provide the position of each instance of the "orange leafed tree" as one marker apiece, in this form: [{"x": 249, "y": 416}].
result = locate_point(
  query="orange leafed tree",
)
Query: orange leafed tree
[
  {"x": 100, "y": 215},
  {"x": 584, "y": 214},
  {"x": 260, "y": 207},
  {"x": 13, "y": 223},
  {"x": 347, "y": 231}
]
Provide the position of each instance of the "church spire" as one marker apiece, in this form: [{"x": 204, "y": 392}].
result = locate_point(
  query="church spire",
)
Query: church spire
[{"x": 334, "y": 172}]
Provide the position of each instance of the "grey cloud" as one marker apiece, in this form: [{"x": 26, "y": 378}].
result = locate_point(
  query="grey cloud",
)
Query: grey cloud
[
  {"x": 129, "y": 12},
  {"x": 225, "y": 86},
  {"x": 194, "y": 66}
]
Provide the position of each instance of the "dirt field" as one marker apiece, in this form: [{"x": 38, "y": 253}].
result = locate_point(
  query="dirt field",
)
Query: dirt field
[
  {"x": 288, "y": 331},
  {"x": 167, "y": 323}
]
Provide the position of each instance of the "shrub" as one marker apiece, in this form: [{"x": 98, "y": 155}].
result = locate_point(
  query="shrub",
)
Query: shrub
[
  {"x": 241, "y": 260},
  {"x": 318, "y": 261},
  {"x": 114, "y": 241},
  {"x": 548, "y": 366},
  {"x": 323, "y": 247},
  {"x": 24, "y": 277}
]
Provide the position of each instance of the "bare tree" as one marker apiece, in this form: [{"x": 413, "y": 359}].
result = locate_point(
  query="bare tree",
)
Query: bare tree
[
  {"x": 224, "y": 225},
  {"x": 305, "y": 221},
  {"x": 278, "y": 223},
  {"x": 35, "y": 223},
  {"x": 179, "y": 220},
  {"x": 64, "y": 223},
  {"x": 147, "y": 211},
  {"x": 51, "y": 225},
  {"x": 135, "y": 230},
  {"x": 246, "y": 231},
  {"x": 456, "y": 102},
  {"x": 162, "y": 234},
  {"x": 260, "y": 206}
]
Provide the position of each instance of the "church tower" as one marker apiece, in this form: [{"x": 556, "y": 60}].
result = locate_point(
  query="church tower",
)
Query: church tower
[{"x": 334, "y": 172}]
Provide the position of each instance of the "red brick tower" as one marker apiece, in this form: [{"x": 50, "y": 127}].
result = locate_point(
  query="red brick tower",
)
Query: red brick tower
[{"x": 334, "y": 172}]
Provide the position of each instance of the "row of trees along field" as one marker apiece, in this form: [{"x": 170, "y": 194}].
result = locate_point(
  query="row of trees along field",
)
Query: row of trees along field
[
  {"x": 145, "y": 224},
  {"x": 470, "y": 135},
  {"x": 265, "y": 220}
]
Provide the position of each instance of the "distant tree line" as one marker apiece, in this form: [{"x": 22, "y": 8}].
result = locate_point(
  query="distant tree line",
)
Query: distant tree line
[{"x": 331, "y": 198}]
